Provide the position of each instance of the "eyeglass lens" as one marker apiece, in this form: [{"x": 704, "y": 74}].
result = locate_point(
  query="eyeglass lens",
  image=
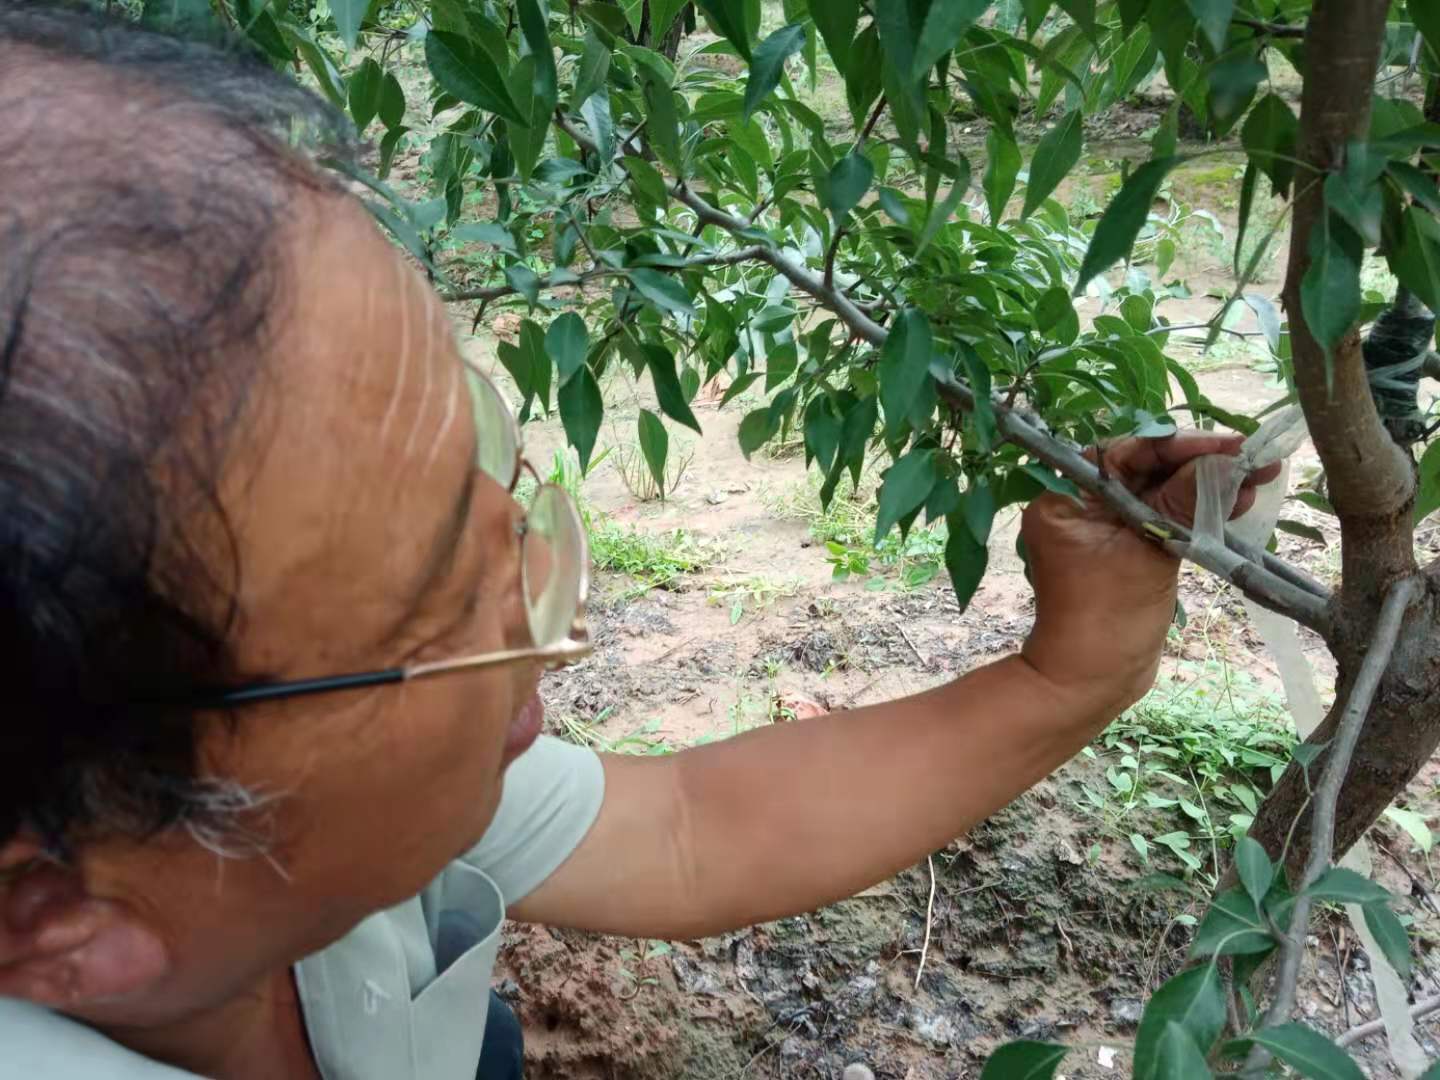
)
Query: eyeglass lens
[
  {"x": 497, "y": 446},
  {"x": 554, "y": 562},
  {"x": 553, "y": 551}
]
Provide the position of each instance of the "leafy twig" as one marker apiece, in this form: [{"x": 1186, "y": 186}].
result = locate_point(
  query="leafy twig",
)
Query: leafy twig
[
  {"x": 494, "y": 292},
  {"x": 1263, "y": 577}
]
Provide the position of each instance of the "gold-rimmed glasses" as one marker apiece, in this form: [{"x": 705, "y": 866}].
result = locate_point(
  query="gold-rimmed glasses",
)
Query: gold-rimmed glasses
[{"x": 554, "y": 570}]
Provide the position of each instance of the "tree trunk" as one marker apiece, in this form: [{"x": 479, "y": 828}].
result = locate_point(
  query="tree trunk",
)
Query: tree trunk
[{"x": 1370, "y": 479}]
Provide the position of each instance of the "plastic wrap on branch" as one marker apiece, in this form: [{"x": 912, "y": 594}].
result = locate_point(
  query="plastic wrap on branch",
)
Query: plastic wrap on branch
[{"x": 1395, "y": 353}]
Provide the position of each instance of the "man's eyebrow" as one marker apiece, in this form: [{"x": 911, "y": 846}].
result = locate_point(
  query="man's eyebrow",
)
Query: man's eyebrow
[{"x": 442, "y": 552}]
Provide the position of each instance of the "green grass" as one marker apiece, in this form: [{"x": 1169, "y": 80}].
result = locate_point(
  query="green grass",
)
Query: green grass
[
  {"x": 846, "y": 529},
  {"x": 1186, "y": 768},
  {"x": 654, "y": 560}
]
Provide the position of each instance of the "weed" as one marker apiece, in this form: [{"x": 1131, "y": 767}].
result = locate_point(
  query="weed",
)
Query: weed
[
  {"x": 847, "y": 530},
  {"x": 1200, "y": 750},
  {"x": 643, "y": 743},
  {"x": 635, "y": 472},
  {"x": 654, "y": 560},
  {"x": 753, "y": 594}
]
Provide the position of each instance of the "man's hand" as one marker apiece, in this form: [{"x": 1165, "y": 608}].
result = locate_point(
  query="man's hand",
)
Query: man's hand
[{"x": 1105, "y": 596}]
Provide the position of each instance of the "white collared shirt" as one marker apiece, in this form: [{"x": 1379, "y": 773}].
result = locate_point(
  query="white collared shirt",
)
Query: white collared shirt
[{"x": 403, "y": 996}]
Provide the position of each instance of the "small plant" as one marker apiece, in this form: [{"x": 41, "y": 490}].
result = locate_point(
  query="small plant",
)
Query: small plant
[
  {"x": 753, "y": 594},
  {"x": 639, "y": 479},
  {"x": 643, "y": 743},
  {"x": 1197, "y": 755},
  {"x": 654, "y": 560}
]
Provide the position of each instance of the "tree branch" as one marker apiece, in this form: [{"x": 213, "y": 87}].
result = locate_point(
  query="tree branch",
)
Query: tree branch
[
  {"x": 494, "y": 292},
  {"x": 1279, "y": 30},
  {"x": 1264, "y": 578},
  {"x": 1327, "y": 793},
  {"x": 1370, "y": 478}
]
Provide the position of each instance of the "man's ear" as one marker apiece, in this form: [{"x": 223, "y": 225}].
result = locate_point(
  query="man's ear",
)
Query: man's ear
[{"x": 60, "y": 946}]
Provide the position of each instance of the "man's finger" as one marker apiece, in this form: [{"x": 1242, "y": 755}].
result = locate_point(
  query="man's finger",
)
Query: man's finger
[{"x": 1142, "y": 463}]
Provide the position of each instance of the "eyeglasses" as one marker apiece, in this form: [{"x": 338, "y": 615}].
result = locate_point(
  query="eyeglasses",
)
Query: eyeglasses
[{"x": 554, "y": 570}]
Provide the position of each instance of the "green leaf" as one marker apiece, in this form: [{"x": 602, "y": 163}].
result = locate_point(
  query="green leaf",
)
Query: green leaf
[
  {"x": 662, "y": 290},
  {"x": 847, "y": 183},
  {"x": 662, "y": 122},
  {"x": 1360, "y": 203},
  {"x": 756, "y": 429},
  {"x": 1233, "y": 82},
  {"x": 1232, "y": 927},
  {"x": 537, "y": 37},
  {"x": 593, "y": 69},
  {"x": 904, "y": 366},
  {"x": 906, "y": 486},
  {"x": 1426, "y": 17},
  {"x": 662, "y": 14},
  {"x": 1345, "y": 886},
  {"x": 1253, "y": 863},
  {"x": 1177, "y": 1057},
  {"x": 1427, "y": 495},
  {"x": 1131, "y": 12},
  {"x": 1330, "y": 291},
  {"x": 1390, "y": 935},
  {"x": 392, "y": 102},
  {"x": 836, "y": 20},
  {"x": 366, "y": 83},
  {"x": 668, "y": 394},
  {"x": 524, "y": 281},
  {"x": 1308, "y": 1052},
  {"x": 768, "y": 64},
  {"x": 945, "y": 207},
  {"x": 1023, "y": 1060},
  {"x": 728, "y": 19},
  {"x": 349, "y": 14},
  {"x": 1056, "y": 155},
  {"x": 983, "y": 414},
  {"x": 581, "y": 408},
  {"x": 184, "y": 18},
  {"x": 1195, "y": 1001},
  {"x": 532, "y": 347},
  {"x": 647, "y": 179},
  {"x": 1055, "y": 316},
  {"x": 1123, "y": 219},
  {"x": 978, "y": 507},
  {"x": 654, "y": 445},
  {"x": 462, "y": 68},
  {"x": 1002, "y": 166},
  {"x": 567, "y": 341},
  {"x": 945, "y": 23},
  {"x": 1271, "y": 133},
  {"x": 1413, "y": 823},
  {"x": 1416, "y": 259},
  {"x": 893, "y": 203},
  {"x": 1083, "y": 12},
  {"x": 1214, "y": 19}
]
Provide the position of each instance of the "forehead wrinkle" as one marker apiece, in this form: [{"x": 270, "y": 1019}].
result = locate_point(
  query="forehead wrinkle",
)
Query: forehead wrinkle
[
  {"x": 427, "y": 363},
  {"x": 451, "y": 409},
  {"x": 367, "y": 309},
  {"x": 401, "y": 372}
]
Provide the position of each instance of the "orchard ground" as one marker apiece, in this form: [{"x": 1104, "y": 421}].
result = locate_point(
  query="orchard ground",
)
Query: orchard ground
[{"x": 721, "y": 610}]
